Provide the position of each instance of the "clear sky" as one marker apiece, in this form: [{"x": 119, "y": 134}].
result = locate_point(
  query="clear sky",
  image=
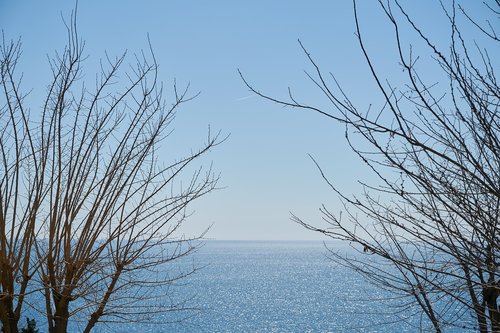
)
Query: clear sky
[{"x": 264, "y": 164}]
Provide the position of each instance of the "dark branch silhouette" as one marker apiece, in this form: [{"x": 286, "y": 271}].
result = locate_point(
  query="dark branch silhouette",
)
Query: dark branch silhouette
[
  {"x": 432, "y": 220},
  {"x": 90, "y": 209}
]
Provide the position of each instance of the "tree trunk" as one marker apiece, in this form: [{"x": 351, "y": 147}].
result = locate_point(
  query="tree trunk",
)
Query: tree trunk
[
  {"x": 8, "y": 318},
  {"x": 491, "y": 294},
  {"x": 61, "y": 316}
]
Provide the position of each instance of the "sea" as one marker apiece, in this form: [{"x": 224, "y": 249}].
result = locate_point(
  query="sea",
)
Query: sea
[{"x": 276, "y": 286}]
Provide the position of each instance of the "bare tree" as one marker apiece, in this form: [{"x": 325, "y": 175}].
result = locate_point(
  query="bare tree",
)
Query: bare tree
[
  {"x": 428, "y": 231},
  {"x": 89, "y": 209}
]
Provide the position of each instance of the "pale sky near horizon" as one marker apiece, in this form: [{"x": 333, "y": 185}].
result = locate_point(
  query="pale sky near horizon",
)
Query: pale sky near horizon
[{"x": 265, "y": 170}]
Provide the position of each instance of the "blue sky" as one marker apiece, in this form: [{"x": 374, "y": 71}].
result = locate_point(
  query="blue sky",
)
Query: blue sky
[{"x": 264, "y": 165}]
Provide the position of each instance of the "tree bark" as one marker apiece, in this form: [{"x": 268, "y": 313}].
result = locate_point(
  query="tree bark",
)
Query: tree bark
[
  {"x": 8, "y": 318},
  {"x": 61, "y": 316}
]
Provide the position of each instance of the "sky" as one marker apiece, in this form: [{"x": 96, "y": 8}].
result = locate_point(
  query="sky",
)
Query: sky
[{"x": 265, "y": 170}]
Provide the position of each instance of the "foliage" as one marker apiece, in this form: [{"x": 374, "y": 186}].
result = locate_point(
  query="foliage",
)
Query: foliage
[{"x": 30, "y": 326}]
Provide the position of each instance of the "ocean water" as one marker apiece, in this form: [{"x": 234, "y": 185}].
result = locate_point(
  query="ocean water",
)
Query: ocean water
[{"x": 261, "y": 286}]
